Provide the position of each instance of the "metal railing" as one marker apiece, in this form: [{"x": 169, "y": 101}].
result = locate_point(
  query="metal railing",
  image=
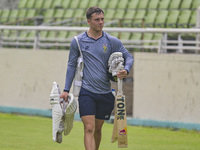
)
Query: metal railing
[{"x": 161, "y": 46}]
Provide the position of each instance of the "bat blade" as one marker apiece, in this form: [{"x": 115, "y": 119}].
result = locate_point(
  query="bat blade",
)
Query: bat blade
[
  {"x": 121, "y": 121},
  {"x": 115, "y": 129}
]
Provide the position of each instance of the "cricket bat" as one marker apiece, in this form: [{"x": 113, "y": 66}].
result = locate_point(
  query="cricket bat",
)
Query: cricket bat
[{"x": 120, "y": 121}]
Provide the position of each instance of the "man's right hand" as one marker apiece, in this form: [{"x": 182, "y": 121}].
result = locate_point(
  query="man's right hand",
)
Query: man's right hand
[{"x": 64, "y": 95}]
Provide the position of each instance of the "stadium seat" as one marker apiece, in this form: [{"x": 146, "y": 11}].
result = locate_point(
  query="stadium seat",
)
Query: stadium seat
[
  {"x": 112, "y": 4},
  {"x": 109, "y": 15},
  {"x": 56, "y": 4},
  {"x": 175, "y": 4},
  {"x": 115, "y": 34},
  {"x": 157, "y": 36},
  {"x": 195, "y": 4},
  {"x": 39, "y": 4},
  {"x": 164, "y": 4},
  {"x": 47, "y": 4},
  {"x": 161, "y": 18},
  {"x": 139, "y": 18},
  {"x": 30, "y": 4},
  {"x": 143, "y": 4},
  {"x": 103, "y": 4},
  {"x": 186, "y": 4},
  {"x": 92, "y": 3},
  {"x": 150, "y": 18},
  {"x": 124, "y": 35},
  {"x": 65, "y": 3},
  {"x": 21, "y": 14},
  {"x": 128, "y": 18},
  {"x": 62, "y": 34},
  {"x": 147, "y": 36},
  {"x": 68, "y": 14},
  {"x": 13, "y": 16},
  {"x": 4, "y": 15},
  {"x": 48, "y": 15},
  {"x": 122, "y": 4},
  {"x": 193, "y": 18},
  {"x": 22, "y": 3},
  {"x": 184, "y": 19},
  {"x": 133, "y": 4},
  {"x": 153, "y": 4},
  {"x": 84, "y": 4},
  {"x": 119, "y": 14},
  {"x": 172, "y": 19},
  {"x": 31, "y": 13},
  {"x": 74, "y": 4},
  {"x": 136, "y": 36},
  {"x": 58, "y": 15}
]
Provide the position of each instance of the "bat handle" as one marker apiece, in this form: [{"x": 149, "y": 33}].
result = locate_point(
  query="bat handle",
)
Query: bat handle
[{"x": 120, "y": 85}]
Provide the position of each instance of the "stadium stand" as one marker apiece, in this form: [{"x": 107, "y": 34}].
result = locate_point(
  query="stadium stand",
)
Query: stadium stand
[{"x": 118, "y": 13}]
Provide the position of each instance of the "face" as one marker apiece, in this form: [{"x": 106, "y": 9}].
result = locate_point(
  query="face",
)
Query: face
[{"x": 96, "y": 22}]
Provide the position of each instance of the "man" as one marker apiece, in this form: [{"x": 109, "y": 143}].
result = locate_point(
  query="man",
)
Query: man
[{"x": 96, "y": 100}]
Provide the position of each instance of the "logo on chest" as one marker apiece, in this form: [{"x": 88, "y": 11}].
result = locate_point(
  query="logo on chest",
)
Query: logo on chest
[{"x": 105, "y": 48}]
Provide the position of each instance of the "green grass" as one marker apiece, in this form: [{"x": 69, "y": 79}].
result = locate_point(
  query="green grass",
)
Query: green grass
[{"x": 34, "y": 133}]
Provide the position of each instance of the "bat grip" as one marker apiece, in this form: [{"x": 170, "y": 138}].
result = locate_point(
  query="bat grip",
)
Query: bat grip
[{"x": 120, "y": 85}]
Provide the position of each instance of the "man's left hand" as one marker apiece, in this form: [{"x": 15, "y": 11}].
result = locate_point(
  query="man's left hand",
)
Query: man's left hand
[{"x": 122, "y": 74}]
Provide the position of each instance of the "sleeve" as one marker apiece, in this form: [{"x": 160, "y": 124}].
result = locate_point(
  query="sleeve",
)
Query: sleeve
[
  {"x": 71, "y": 67},
  {"x": 128, "y": 58}
]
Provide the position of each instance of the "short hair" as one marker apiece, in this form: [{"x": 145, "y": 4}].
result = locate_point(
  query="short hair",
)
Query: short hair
[{"x": 93, "y": 10}]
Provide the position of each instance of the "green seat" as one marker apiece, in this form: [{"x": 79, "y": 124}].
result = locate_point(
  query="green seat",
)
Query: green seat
[
  {"x": 122, "y": 4},
  {"x": 150, "y": 18},
  {"x": 172, "y": 19},
  {"x": 161, "y": 18},
  {"x": 195, "y": 4},
  {"x": 62, "y": 34},
  {"x": 164, "y": 4},
  {"x": 147, "y": 36},
  {"x": 119, "y": 14},
  {"x": 30, "y": 4},
  {"x": 74, "y": 4},
  {"x": 157, "y": 36},
  {"x": 184, "y": 19},
  {"x": 115, "y": 34},
  {"x": 186, "y": 4},
  {"x": 109, "y": 15},
  {"x": 43, "y": 35},
  {"x": 56, "y": 3},
  {"x": 84, "y": 4},
  {"x": 139, "y": 18},
  {"x": 92, "y": 3},
  {"x": 112, "y": 4},
  {"x": 128, "y": 18},
  {"x": 153, "y": 4},
  {"x": 58, "y": 15},
  {"x": 193, "y": 18},
  {"x": 103, "y": 4},
  {"x": 143, "y": 4},
  {"x": 21, "y": 15},
  {"x": 31, "y": 13},
  {"x": 133, "y": 4},
  {"x": 5, "y": 15},
  {"x": 31, "y": 36},
  {"x": 175, "y": 4},
  {"x": 48, "y": 15},
  {"x": 124, "y": 35},
  {"x": 68, "y": 14},
  {"x": 65, "y": 3},
  {"x": 13, "y": 16},
  {"x": 79, "y": 17},
  {"x": 47, "y": 4},
  {"x": 137, "y": 36},
  {"x": 71, "y": 34},
  {"x": 39, "y": 4},
  {"x": 22, "y": 3}
]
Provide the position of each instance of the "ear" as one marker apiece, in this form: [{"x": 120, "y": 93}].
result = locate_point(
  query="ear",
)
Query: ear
[{"x": 88, "y": 21}]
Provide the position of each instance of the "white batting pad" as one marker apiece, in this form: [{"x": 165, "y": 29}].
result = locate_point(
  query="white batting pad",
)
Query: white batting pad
[{"x": 57, "y": 113}]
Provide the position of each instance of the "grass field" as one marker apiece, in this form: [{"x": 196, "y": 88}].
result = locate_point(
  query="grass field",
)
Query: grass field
[{"x": 34, "y": 133}]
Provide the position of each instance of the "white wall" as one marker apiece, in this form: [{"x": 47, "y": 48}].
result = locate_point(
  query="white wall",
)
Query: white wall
[
  {"x": 167, "y": 87},
  {"x": 27, "y": 76}
]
